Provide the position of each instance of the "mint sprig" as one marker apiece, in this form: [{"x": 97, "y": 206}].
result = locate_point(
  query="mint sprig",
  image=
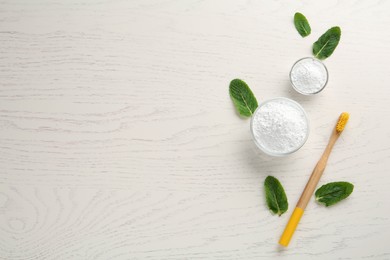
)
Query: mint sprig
[
  {"x": 302, "y": 25},
  {"x": 275, "y": 196},
  {"x": 333, "y": 192},
  {"x": 243, "y": 98},
  {"x": 327, "y": 43}
]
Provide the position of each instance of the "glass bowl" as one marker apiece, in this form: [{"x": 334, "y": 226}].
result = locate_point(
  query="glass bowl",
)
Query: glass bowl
[
  {"x": 261, "y": 113},
  {"x": 311, "y": 78}
]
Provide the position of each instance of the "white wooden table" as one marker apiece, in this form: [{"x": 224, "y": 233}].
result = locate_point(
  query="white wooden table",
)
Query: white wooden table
[{"x": 118, "y": 139}]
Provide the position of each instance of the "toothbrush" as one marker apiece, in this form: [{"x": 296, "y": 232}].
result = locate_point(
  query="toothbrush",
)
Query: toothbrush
[{"x": 313, "y": 181}]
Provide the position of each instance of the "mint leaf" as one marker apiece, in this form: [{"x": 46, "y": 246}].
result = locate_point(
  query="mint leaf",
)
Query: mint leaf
[
  {"x": 302, "y": 25},
  {"x": 327, "y": 43},
  {"x": 333, "y": 192},
  {"x": 275, "y": 196},
  {"x": 243, "y": 98}
]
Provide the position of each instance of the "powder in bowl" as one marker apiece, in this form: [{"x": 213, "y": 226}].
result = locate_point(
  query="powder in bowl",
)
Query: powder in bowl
[
  {"x": 279, "y": 126},
  {"x": 309, "y": 76}
]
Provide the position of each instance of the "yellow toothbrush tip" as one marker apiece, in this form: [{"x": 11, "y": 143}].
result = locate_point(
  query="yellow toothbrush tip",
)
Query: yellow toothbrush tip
[{"x": 343, "y": 119}]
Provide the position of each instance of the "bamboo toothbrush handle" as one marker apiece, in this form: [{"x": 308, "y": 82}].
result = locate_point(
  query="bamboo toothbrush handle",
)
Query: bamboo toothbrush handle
[
  {"x": 317, "y": 172},
  {"x": 308, "y": 191},
  {"x": 311, "y": 185}
]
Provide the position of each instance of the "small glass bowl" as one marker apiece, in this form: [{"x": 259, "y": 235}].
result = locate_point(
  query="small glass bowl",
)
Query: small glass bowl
[
  {"x": 297, "y": 87},
  {"x": 262, "y": 147}
]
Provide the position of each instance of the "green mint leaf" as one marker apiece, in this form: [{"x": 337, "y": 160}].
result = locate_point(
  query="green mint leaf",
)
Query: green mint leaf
[
  {"x": 243, "y": 98},
  {"x": 301, "y": 24},
  {"x": 327, "y": 43},
  {"x": 333, "y": 192},
  {"x": 275, "y": 196}
]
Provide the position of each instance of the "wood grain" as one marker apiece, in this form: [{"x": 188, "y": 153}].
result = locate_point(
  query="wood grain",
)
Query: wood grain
[{"x": 118, "y": 139}]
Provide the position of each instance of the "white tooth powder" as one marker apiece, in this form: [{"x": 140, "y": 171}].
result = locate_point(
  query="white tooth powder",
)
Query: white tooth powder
[
  {"x": 308, "y": 76},
  {"x": 279, "y": 126}
]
